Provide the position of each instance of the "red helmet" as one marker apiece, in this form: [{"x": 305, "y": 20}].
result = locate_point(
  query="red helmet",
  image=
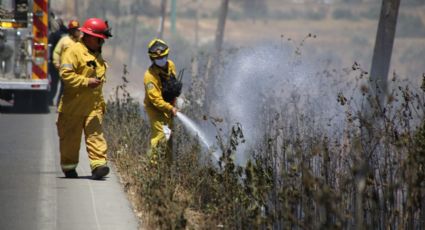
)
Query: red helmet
[
  {"x": 73, "y": 24},
  {"x": 96, "y": 27}
]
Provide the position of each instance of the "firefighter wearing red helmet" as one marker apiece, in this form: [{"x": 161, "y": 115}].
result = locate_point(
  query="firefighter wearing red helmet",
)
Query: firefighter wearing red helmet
[
  {"x": 81, "y": 108},
  {"x": 96, "y": 27}
]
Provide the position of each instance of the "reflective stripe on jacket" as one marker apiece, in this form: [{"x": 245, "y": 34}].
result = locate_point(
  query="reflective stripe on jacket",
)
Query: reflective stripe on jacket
[
  {"x": 153, "y": 87},
  {"x": 78, "y": 65}
]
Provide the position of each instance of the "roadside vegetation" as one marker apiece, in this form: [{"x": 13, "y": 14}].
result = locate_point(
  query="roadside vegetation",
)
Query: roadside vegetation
[{"x": 371, "y": 175}]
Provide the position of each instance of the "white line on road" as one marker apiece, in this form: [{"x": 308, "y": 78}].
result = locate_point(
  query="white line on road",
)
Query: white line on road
[
  {"x": 93, "y": 201},
  {"x": 47, "y": 218}
]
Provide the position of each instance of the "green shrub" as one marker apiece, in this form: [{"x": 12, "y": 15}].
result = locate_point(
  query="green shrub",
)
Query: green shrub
[
  {"x": 344, "y": 14},
  {"x": 284, "y": 15},
  {"x": 235, "y": 15},
  {"x": 315, "y": 15},
  {"x": 187, "y": 13},
  {"x": 371, "y": 14}
]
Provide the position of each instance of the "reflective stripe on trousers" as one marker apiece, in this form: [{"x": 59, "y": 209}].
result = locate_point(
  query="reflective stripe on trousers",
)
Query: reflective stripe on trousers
[{"x": 68, "y": 167}]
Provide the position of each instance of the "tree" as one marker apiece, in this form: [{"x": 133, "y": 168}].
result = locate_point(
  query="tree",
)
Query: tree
[
  {"x": 116, "y": 12},
  {"x": 220, "y": 26},
  {"x": 214, "y": 62},
  {"x": 162, "y": 18},
  {"x": 198, "y": 6},
  {"x": 76, "y": 8},
  {"x": 135, "y": 12}
]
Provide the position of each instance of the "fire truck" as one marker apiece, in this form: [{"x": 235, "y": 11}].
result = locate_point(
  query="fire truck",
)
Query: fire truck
[{"x": 24, "y": 81}]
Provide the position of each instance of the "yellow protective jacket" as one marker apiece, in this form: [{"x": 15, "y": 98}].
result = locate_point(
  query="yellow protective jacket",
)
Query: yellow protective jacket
[
  {"x": 64, "y": 43},
  {"x": 76, "y": 69},
  {"x": 153, "y": 87}
]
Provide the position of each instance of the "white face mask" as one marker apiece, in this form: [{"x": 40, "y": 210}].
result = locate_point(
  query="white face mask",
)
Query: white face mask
[{"x": 161, "y": 62}]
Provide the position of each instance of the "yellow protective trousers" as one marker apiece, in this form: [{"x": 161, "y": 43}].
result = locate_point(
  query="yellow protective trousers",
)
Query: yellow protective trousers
[
  {"x": 157, "y": 119},
  {"x": 70, "y": 128}
]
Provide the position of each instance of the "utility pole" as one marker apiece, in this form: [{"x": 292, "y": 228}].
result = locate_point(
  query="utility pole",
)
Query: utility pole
[
  {"x": 383, "y": 47},
  {"x": 162, "y": 18}
]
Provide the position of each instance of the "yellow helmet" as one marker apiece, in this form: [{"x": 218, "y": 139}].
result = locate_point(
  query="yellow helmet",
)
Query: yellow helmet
[{"x": 157, "y": 48}]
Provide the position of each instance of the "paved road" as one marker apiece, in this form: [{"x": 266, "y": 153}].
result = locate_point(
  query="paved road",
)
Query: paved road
[{"x": 33, "y": 192}]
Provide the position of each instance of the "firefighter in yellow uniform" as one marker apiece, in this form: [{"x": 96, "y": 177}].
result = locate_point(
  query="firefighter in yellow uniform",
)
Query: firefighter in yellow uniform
[
  {"x": 66, "y": 41},
  {"x": 63, "y": 44},
  {"x": 82, "y": 105},
  {"x": 159, "y": 103}
]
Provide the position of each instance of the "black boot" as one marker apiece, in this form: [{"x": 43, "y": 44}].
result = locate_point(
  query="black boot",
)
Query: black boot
[
  {"x": 99, "y": 172},
  {"x": 71, "y": 174}
]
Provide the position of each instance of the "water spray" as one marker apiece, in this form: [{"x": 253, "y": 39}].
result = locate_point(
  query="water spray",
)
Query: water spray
[{"x": 195, "y": 130}]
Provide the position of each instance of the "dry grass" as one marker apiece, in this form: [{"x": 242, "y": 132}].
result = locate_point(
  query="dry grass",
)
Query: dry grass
[
  {"x": 370, "y": 177},
  {"x": 299, "y": 177}
]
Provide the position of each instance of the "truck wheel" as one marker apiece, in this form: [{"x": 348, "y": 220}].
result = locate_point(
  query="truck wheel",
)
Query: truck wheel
[
  {"x": 39, "y": 102},
  {"x": 22, "y": 101},
  {"x": 30, "y": 102}
]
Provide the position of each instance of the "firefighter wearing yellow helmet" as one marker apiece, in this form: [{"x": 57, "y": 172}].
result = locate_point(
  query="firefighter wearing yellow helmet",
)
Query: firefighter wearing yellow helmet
[
  {"x": 82, "y": 104},
  {"x": 161, "y": 91}
]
